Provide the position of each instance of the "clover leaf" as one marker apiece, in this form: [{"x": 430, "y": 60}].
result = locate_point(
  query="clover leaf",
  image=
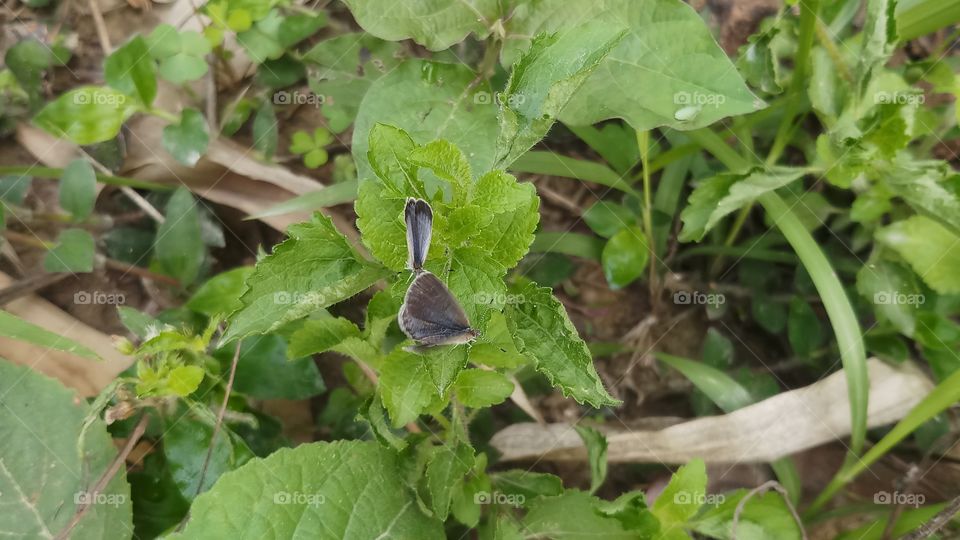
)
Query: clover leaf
[
  {"x": 311, "y": 147},
  {"x": 181, "y": 54}
]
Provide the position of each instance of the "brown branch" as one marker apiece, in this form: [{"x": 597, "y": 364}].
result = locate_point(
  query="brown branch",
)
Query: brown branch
[
  {"x": 220, "y": 413},
  {"x": 105, "y": 478},
  {"x": 938, "y": 522},
  {"x": 763, "y": 488}
]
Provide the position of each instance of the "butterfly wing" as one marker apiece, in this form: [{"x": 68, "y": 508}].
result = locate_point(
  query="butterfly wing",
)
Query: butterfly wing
[
  {"x": 431, "y": 315},
  {"x": 419, "y": 219}
]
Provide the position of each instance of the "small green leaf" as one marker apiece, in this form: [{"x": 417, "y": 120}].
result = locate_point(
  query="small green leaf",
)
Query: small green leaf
[
  {"x": 265, "y": 132},
  {"x": 803, "y": 328},
  {"x": 527, "y": 484},
  {"x": 316, "y": 268},
  {"x": 271, "y": 36},
  {"x": 768, "y": 313},
  {"x": 184, "y": 380},
  {"x": 220, "y": 295},
  {"x": 596, "y": 444},
  {"x": 86, "y": 115},
  {"x": 931, "y": 249},
  {"x": 16, "y": 328},
  {"x": 263, "y": 371},
  {"x": 446, "y": 468},
  {"x": 74, "y": 252},
  {"x": 607, "y": 218},
  {"x": 722, "y": 389},
  {"x": 481, "y": 388},
  {"x": 436, "y": 25},
  {"x": 186, "y": 442},
  {"x": 78, "y": 189},
  {"x": 445, "y": 366},
  {"x": 572, "y": 515},
  {"x": 625, "y": 257},
  {"x": 131, "y": 70},
  {"x": 406, "y": 387},
  {"x": 763, "y": 515},
  {"x": 543, "y": 332},
  {"x": 181, "y": 54},
  {"x": 188, "y": 140},
  {"x": 179, "y": 247},
  {"x": 723, "y": 194},
  {"x": 683, "y": 496}
]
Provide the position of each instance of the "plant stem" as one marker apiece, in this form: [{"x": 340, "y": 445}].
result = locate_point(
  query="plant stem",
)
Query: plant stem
[{"x": 643, "y": 142}]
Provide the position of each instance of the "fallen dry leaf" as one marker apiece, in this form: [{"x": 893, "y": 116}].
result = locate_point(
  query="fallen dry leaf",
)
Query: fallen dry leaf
[{"x": 779, "y": 426}]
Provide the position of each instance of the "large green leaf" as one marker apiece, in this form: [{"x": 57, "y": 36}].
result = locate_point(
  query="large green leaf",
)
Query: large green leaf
[
  {"x": 435, "y": 24},
  {"x": 931, "y": 249},
  {"x": 719, "y": 196},
  {"x": 49, "y": 464},
  {"x": 430, "y": 100},
  {"x": 315, "y": 268},
  {"x": 87, "y": 115},
  {"x": 344, "y": 489},
  {"x": 263, "y": 371},
  {"x": 667, "y": 63},
  {"x": 571, "y": 516},
  {"x": 543, "y": 332}
]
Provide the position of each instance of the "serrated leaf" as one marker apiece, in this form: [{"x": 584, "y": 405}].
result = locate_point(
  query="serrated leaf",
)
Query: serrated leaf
[
  {"x": 179, "y": 246},
  {"x": 344, "y": 489},
  {"x": 930, "y": 188},
  {"x": 51, "y": 461},
  {"x": 571, "y": 516},
  {"x": 86, "y": 115},
  {"x": 481, "y": 388},
  {"x": 543, "y": 332},
  {"x": 446, "y": 468},
  {"x": 382, "y": 230},
  {"x": 527, "y": 484},
  {"x": 188, "y": 140},
  {"x": 131, "y": 70},
  {"x": 74, "y": 252},
  {"x": 221, "y": 293},
  {"x": 435, "y": 24},
  {"x": 78, "y": 189},
  {"x": 682, "y": 72},
  {"x": 723, "y": 194},
  {"x": 509, "y": 236},
  {"x": 186, "y": 442},
  {"x": 931, "y": 249},
  {"x": 320, "y": 335},
  {"x": 445, "y": 364},
  {"x": 683, "y": 496},
  {"x": 406, "y": 387},
  {"x": 14, "y": 327},
  {"x": 542, "y": 82},
  {"x": 316, "y": 267},
  {"x": 430, "y": 100}
]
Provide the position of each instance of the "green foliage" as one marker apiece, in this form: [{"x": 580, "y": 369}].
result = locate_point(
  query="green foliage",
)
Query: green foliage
[
  {"x": 179, "y": 245},
  {"x": 311, "y": 147},
  {"x": 435, "y": 24},
  {"x": 187, "y": 140},
  {"x": 180, "y": 54},
  {"x": 15, "y": 328},
  {"x": 78, "y": 189},
  {"x": 131, "y": 70},
  {"x": 86, "y": 115},
  {"x": 272, "y": 35},
  {"x": 53, "y": 455},
  {"x": 73, "y": 252}
]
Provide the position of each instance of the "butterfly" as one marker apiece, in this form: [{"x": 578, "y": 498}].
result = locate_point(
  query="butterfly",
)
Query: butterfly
[{"x": 430, "y": 314}]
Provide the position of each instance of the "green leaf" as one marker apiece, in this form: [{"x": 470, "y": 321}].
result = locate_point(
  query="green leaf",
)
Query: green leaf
[
  {"x": 543, "y": 332},
  {"x": 179, "y": 246},
  {"x": 625, "y": 257},
  {"x": 183, "y": 380},
  {"x": 430, "y": 100},
  {"x": 768, "y": 313},
  {"x": 316, "y": 267},
  {"x": 446, "y": 468},
  {"x": 879, "y": 39},
  {"x": 14, "y": 188},
  {"x": 803, "y": 328},
  {"x": 607, "y": 218},
  {"x": 346, "y": 66},
  {"x": 220, "y": 295},
  {"x": 481, "y": 388},
  {"x": 682, "y": 497},
  {"x": 719, "y": 196},
  {"x": 596, "y": 444},
  {"x": 931, "y": 249},
  {"x": 406, "y": 387},
  {"x": 445, "y": 364},
  {"x": 435, "y": 24},
  {"x": 315, "y": 200},
  {"x": 263, "y": 371},
  {"x": 552, "y": 164},
  {"x": 762, "y": 516},
  {"x": 271, "y": 36},
  {"x": 722, "y": 389},
  {"x": 688, "y": 72},
  {"x": 186, "y": 442},
  {"x": 344, "y": 489},
  {"x": 324, "y": 334},
  {"x": 929, "y": 188},
  {"x": 545, "y": 78},
  {"x": 527, "y": 484},
  {"x": 138, "y": 323},
  {"x": 27, "y": 60},
  {"x": 188, "y": 140},
  {"x": 52, "y": 458},
  {"x": 131, "y": 70},
  {"x": 181, "y": 54},
  {"x": 265, "y": 132},
  {"x": 74, "y": 252},
  {"x": 16, "y": 328},
  {"x": 78, "y": 189},
  {"x": 571, "y": 516},
  {"x": 759, "y": 63},
  {"x": 86, "y": 115}
]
